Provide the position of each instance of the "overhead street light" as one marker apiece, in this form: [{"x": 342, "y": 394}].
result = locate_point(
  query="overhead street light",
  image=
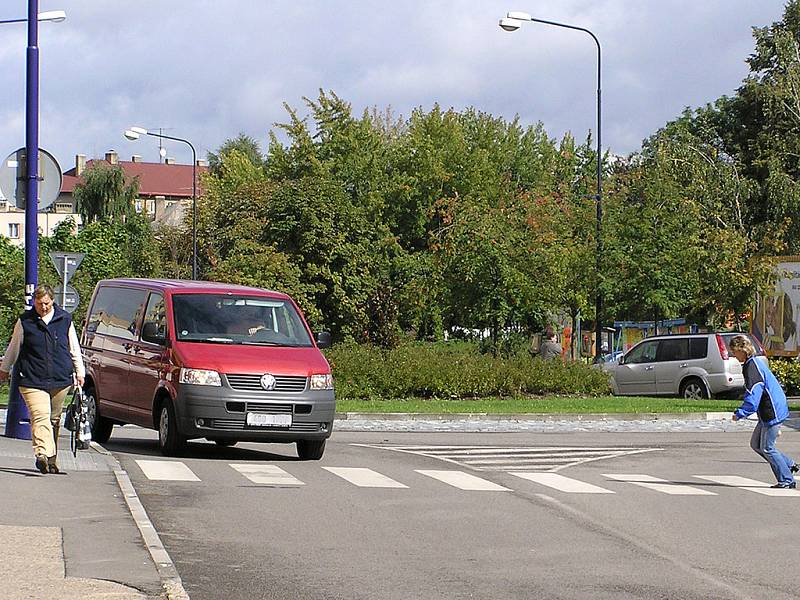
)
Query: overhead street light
[
  {"x": 511, "y": 22},
  {"x": 133, "y": 134},
  {"x": 54, "y": 16}
]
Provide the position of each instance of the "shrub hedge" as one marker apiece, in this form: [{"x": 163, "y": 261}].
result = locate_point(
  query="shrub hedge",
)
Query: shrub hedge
[
  {"x": 451, "y": 370},
  {"x": 788, "y": 373}
]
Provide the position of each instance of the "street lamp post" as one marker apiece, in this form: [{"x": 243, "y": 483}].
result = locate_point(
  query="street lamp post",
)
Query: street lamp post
[
  {"x": 133, "y": 134},
  {"x": 17, "y": 424},
  {"x": 512, "y": 22}
]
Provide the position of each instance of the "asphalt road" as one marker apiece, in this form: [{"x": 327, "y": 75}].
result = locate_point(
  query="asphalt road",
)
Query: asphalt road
[{"x": 398, "y": 516}]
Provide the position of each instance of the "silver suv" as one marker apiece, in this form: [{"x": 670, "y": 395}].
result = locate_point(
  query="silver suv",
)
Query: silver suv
[{"x": 689, "y": 365}]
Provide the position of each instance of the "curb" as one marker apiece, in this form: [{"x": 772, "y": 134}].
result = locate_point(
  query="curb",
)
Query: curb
[
  {"x": 362, "y": 416},
  {"x": 170, "y": 580},
  {"x": 702, "y": 416}
]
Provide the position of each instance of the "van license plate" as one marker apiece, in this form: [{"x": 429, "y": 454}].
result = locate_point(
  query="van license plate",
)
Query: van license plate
[{"x": 262, "y": 420}]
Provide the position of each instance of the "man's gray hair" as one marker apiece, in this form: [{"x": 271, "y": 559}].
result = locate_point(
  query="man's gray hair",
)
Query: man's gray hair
[{"x": 43, "y": 290}]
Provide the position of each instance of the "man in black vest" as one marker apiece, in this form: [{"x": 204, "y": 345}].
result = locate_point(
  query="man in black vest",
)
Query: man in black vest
[{"x": 46, "y": 346}]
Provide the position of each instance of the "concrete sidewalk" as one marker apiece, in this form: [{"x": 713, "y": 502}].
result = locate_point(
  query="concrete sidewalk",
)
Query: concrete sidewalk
[{"x": 71, "y": 535}]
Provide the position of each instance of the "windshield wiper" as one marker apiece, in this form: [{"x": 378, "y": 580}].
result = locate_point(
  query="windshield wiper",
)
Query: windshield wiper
[
  {"x": 262, "y": 343},
  {"x": 215, "y": 340}
]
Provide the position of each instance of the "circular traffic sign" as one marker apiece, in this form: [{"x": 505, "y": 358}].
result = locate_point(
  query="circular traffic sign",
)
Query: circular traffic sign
[{"x": 13, "y": 175}]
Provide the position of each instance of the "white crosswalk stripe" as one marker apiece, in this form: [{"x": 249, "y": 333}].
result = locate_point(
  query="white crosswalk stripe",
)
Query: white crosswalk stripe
[
  {"x": 166, "y": 470},
  {"x": 564, "y": 484},
  {"x": 463, "y": 481},
  {"x": 751, "y": 485},
  {"x": 500, "y": 458},
  {"x": 273, "y": 475},
  {"x": 659, "y": 485},
  {"x": 364, "y": 477},
  {"x": 266, "y": 474}
]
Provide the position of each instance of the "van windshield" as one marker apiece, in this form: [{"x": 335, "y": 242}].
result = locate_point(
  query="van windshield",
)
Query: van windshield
[{"x": 232, "y": 319}]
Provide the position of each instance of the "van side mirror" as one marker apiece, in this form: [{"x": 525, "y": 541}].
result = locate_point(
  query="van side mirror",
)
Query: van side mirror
[
  {"x": 151, "y": 333},
  {"x": 323, "y": 339}
]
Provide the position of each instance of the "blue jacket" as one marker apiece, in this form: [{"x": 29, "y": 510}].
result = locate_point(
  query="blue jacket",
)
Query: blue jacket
[
  {"x": 44, "y": 361},
  {"x": 763, "y": 394}
]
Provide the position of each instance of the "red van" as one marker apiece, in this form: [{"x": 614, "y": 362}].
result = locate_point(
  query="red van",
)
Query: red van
[{"x": 194, "y": 359}]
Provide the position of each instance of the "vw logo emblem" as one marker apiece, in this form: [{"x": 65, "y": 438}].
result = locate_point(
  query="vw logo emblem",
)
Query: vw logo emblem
[{"x": 268, "y": 381}]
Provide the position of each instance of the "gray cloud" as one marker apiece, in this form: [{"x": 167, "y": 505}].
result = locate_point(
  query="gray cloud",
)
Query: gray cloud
[{"x": 206, "y": 70}]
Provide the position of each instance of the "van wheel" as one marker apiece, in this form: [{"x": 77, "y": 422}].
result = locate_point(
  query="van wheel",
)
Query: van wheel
[
  {"x": 693, "y": 389},
  {"x": 170, "y": 441},
  {"x": 310, "y": 449},
  {"x": 101, "y": 427}
]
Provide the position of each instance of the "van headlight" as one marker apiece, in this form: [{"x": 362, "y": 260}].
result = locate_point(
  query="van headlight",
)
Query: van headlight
[
  {"x": 200, "y": 377},
  {"x": 322, "y": 382}
]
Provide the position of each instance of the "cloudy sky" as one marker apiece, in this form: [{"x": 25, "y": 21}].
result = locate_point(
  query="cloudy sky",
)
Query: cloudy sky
[{"x": 206, "y": 70}]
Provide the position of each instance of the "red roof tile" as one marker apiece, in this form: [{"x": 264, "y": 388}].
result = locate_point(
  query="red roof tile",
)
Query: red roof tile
[{"x": 155, "y": 179}]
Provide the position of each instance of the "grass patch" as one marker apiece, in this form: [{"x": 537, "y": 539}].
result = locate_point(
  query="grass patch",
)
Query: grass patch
[{"x": 545, "y": 405}]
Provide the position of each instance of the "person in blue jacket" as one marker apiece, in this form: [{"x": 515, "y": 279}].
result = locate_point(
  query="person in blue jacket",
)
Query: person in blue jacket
[{"x": 764, "y": 395}]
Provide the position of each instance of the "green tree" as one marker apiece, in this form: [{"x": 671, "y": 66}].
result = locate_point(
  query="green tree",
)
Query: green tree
[
  {"x": 104, "y": 193},
  {"x": 244, "y": 145}
]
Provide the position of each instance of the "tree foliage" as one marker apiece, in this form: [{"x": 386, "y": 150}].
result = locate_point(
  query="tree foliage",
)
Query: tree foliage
[
  {"x": 104, "y": 193},
  {"x": 459, "y": 221}
]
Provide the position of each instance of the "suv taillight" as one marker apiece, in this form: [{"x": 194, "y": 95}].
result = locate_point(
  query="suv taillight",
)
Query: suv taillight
[{"x": 723, "y": 349}]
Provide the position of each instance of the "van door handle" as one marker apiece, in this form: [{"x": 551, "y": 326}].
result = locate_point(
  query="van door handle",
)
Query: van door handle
[
  {"x": 650, "y": 368},
  {"x": 684, "y": 365}
]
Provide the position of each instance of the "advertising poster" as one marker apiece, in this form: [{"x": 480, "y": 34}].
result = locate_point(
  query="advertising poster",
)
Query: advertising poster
[{"x": 775, "y": 319}]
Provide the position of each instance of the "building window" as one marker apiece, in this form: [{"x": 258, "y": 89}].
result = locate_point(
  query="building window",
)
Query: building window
[
  {"x": 13, "y": 231},
  {"x": 63, "y": 207}
]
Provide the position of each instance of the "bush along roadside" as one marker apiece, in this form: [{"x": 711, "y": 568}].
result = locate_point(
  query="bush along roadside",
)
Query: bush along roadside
[
  {"x": 788, "y": 373},
  {"x": 454, "y": 370}
]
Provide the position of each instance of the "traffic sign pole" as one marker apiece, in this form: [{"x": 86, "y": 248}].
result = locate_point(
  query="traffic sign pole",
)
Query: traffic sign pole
[{"x": 17, "y": 427}]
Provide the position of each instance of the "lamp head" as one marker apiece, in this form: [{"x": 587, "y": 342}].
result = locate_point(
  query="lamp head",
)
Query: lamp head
[
  {"x": 131, "y": 135},
  {"x": 509, "y": 24},
  {"x": 139, "y": 130},
  {"x": 55, "y": 16}
]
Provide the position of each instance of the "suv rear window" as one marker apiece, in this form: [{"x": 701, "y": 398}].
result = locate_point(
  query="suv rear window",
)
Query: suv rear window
[{"x": 698, "y": 347}]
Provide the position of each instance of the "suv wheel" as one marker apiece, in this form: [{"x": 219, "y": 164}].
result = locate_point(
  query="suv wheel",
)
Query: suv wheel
[{"x": 693, "y": 389}]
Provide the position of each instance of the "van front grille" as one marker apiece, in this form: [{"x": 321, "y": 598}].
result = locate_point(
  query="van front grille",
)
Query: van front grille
[
  {"x": 252, "y": 383},
  {"x": 239, "y": 425}
]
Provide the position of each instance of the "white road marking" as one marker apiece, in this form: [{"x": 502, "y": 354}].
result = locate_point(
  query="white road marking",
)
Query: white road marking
[
  {"x": 564, "y": 484},
  {"x": 266, "y": 474},
  {"x": 500, "y": 458},
  {"x": 166, "y": 470},
  {"x": 463, "y": 481},
  {"x": 364, "y": 477},
  {"x": 751, "y": 485},
  {"x": 659, "y": 485}
]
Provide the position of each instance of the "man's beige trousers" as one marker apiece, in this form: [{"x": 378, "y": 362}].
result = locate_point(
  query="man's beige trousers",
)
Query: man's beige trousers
[{"x": 45, "y": 409}]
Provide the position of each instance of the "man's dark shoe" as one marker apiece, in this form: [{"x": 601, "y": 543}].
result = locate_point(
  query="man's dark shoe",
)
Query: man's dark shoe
[
  {"x": 52, "y": 466},
  {"x": 41, "y": 464},
  {"x": 785, "y": 486},
  {"x": 794, "y": 468}
]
